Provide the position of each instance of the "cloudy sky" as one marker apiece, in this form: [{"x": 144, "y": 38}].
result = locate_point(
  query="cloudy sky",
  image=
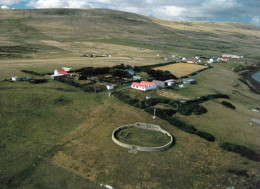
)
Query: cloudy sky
[{"x": 247, "y": 11}]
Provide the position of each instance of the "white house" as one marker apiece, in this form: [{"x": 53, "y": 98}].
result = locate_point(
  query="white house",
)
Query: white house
[
  {"x": 15, "y": 78},
  {"x": 214, "y": 60},
  {"x": 144, "y": 86}
]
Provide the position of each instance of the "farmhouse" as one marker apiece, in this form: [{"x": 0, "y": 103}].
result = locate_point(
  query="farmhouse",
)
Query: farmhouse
[
  {"x": 144, "y": 86},
  {"x": 231, "y": 56}
]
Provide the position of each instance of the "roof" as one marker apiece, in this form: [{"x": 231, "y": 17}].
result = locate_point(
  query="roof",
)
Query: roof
[
  {"x": 170, "y": 80},
  {"x": 147, "y": 83},
  {"x": 138, "y": 84},
  {"x": 191, "y": 60},
  {"x": 62, "y": 71}
]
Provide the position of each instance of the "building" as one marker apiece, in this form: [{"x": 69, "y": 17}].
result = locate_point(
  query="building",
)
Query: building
[
  {"x": 60, "y": 72},
  {"x": 160, "y": 84},
  {"x": 231, "y": 56},
  {"x": 214, "y": 60},
  {"x": 137, "y": 77},
  {"x": 130, "y": 71},
  {"x": 189, "y": 81},
  {"x": 110, "y": 86},
  {"x": 224, "y": 59},
  {"x": 67, "y": 69},
  {"x": 193, "y": 61},
  {"x": 15, "y": 78},
  {"x": 170, "y": 82},
  {"x": 144, "y": 86}
]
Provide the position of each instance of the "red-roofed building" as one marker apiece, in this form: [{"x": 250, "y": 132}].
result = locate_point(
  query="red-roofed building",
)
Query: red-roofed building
[
  {"x": 60, "y": 72},
  {"x": 144, "y": 85}
]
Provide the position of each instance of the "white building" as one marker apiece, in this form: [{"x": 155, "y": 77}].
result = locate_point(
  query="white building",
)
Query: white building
[
  {"x": 144, "y": 86},
  {"x": 15, "y": 78}
]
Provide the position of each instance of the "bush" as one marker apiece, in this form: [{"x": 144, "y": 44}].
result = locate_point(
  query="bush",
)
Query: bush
[
  {"x": 206, "y": 136},
  {"x": 242, "y": 150},
  {"x": 228, "y": 105},
  {"x": 38, "y": 81}
]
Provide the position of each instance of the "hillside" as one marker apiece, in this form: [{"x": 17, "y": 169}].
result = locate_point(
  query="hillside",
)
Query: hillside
[{"x": 108, "y": 26}]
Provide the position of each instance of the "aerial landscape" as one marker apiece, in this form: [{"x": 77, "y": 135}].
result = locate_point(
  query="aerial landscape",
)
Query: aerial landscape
[{"x": 102, "y": 98}]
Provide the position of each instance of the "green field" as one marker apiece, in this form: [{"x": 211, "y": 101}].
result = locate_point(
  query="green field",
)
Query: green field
[
  {"x": 53, "y": 135},
  {"x": 142, "y": 137}
]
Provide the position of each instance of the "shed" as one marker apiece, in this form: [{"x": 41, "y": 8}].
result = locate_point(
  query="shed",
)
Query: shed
[
  {"x": 189, "y": 81},
  {"x": 137, "y": 77},
  {"x": 161, "y": 84},
  {"x": 15, "y": 78}
]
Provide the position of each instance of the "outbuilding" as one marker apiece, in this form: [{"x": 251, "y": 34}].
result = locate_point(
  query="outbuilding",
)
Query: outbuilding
[
  {"x": 189, "y": 81},
  {"x": 15, "y": 78},
  {"x": 160, "y": 84}
]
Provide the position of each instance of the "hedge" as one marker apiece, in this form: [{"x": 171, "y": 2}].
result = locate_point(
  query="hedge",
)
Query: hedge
[{"x": 242, "y": 150}]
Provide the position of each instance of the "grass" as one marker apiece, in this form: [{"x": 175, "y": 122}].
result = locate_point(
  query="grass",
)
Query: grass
[
  {"x": 142, "y": 137},
  {"x": 181, "y": 69}
]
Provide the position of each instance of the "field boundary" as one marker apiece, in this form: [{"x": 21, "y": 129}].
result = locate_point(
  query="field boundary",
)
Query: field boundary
[{"x": 142, "y": 148}]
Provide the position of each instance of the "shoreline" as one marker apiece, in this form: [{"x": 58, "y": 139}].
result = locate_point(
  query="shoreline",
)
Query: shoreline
[{"x": 249, "y": 81}]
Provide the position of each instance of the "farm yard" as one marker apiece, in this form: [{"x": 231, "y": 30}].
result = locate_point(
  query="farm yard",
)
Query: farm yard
[
  {"x": 182, "y": 69},
  {"x": 56, "y": 135}
]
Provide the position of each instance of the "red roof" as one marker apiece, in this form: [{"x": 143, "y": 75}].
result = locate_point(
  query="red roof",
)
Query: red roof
[
  {"x": 147, "y": 83},
  {"x": 138, "y": 85},
  {"x": 62, "y": 71}
]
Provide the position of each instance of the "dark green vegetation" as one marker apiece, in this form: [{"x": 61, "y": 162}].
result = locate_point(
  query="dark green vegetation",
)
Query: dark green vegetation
[
  {"x": 227, "y": 104},
  {"x": 242, "y": 150},
  {"x": 142, "y": 137}
]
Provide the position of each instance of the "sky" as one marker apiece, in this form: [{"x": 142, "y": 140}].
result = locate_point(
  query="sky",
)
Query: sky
[{"x": 246, "y": 11}]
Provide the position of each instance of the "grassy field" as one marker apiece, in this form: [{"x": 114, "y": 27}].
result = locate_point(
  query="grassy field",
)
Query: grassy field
[
  {"x": 181, "y": 69},
  {"x": 50, "y": 143},
  {"x": 142, "y": 137}
]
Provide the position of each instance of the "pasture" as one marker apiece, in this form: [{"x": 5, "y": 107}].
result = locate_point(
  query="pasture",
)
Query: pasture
[{"x": 181, "y": 69}]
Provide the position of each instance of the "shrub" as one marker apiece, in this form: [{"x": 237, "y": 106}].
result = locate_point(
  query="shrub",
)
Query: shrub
[
  {"x": 228, "y": 105},
  {"x": 242, "y": 150},
  {"x": 206, "y": 136},
  {"x": 38, "y": 81}
]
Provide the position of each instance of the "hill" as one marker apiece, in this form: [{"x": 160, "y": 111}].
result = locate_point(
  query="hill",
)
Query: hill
[{"x": 109, "y": 26}]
